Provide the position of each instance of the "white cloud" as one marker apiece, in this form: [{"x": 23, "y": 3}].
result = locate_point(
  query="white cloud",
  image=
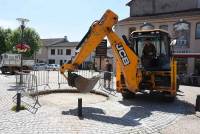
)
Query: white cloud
[{"x": 8, "y": 24}]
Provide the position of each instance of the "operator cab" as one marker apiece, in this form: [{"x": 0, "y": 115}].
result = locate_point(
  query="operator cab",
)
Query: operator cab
[{"x": 153, "y": 49}]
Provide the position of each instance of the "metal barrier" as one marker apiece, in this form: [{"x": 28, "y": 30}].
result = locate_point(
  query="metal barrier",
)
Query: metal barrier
[
  {"x": 110, "y": 90},
  {"x": 61, "y": 79},
  {"x": 28, "y": 90},
  {"x": 195, "y": 80},
  {"x": 84, "y": 73},
  {"x": 47, "y": 78},
  {"x": 42, "y": 77},
  {"x": 191, "y": 80},
  {"x": 87, "y": 73}
]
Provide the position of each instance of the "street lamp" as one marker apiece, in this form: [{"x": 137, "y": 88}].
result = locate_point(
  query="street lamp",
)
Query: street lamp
[
  {"x": 22, "y": 47},
  {"x": 22, "y": 27}
]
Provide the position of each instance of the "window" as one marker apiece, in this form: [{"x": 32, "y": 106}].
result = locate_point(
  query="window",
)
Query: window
[
  {"x": 161, "y": 45},
  {"x": 182, "y": 33},
  {"x": 51, "y": 61},
  {"x": 198, "y": 31},
  {"x": 146, "y": 26},
  {"x": 52, "y": 51},
  {"x": 60, "y": 52},
  {"x": 68, "y": 51},
  {"x": 163, "y": 27},
  {"x": 61, "y": 62}
]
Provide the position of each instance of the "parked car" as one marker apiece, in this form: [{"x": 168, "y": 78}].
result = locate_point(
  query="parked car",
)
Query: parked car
[
  {"x": 40, "y": 66},
  {"x": 53, "y": 67}
]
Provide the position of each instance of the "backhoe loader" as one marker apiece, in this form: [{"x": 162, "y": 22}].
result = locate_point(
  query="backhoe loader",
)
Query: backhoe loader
[{"x": 139, "y": 68}]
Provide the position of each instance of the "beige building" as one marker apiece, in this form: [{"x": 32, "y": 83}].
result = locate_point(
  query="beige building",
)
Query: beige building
[
  {"x": 181, "y": 18},
  {"x": 60, "y": 51},
  {"x": 56, "y": 51}
]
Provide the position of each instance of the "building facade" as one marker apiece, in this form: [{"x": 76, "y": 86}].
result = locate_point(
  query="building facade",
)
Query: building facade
[
  {"x": 60, "y": 51},
  {"x": 56, "y": 51},
  {"x": 181, "y": 18}
]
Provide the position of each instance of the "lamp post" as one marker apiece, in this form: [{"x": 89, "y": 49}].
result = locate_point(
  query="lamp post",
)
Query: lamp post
[
  {"x": 22, "y": 27},
  {"x": 20, "y": 48}
]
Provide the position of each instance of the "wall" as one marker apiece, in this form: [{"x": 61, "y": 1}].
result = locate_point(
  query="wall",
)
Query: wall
[
  {"x": 198, "y": 3},
  {"x": 163, "y": 6},
  {"x": 63, "y": 57},
  {"x": 42, "y": 54},
  {"x": 149, "y": 7},
  {"x": 140, "y": 8},
  {"x": 123, "y": 28}
]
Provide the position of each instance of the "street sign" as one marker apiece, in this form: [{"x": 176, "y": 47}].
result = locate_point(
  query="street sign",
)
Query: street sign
[{"x": 101, "y": 50}]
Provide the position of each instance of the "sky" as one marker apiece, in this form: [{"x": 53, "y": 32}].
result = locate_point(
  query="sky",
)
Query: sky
[{"x": 59, "y": 18}]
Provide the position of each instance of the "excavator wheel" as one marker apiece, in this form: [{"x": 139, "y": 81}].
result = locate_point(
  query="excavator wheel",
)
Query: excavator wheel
[
  {"x": 126, "y": 94},
  {"x": 197, "y": 107}
]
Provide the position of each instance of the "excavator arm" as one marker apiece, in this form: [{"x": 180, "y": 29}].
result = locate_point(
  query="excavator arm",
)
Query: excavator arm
[
  {"x": 127, "y": 62},
  {"x": 95, "y": 35},
  {"x": 126, "y": 59}
]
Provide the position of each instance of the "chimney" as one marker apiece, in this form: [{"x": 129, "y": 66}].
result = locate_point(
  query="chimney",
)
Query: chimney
[{"x": 65, "y": 38}]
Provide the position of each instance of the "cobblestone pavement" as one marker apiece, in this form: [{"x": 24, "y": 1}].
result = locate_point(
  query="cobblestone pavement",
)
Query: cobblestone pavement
[{"x": 144, "y": 114}]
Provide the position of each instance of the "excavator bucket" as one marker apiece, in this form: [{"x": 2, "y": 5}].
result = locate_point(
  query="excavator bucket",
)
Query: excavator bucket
[{"x": 83, "y": 85}]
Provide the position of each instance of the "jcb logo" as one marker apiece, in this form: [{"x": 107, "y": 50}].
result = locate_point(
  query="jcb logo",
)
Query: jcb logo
[{"x": 122, "y": 54}]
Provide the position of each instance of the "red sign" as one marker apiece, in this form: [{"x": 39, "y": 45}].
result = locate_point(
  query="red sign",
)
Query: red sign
[
  {"x": 22, "y": 47},
  {"x": 101, "y": 50},
  {"x": 186, "y": 55}
]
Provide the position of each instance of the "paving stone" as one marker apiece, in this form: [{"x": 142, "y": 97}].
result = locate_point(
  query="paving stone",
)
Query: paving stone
[{"x": 138, "y": 116}]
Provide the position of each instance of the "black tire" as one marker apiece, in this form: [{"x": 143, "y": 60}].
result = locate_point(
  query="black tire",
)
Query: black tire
[
  {"x": 126, "y": 94},
  {"x": 197, "y": 107}
]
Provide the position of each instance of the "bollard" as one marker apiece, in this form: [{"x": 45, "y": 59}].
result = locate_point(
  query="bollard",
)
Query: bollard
[
  {"x": 80, "y": 107},
  {"x": 197, "y": 107},
  {"x": 18, "y": 102}
]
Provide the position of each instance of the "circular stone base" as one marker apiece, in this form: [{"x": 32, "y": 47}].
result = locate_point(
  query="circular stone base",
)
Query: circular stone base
[{"x": 70, "y": 99}]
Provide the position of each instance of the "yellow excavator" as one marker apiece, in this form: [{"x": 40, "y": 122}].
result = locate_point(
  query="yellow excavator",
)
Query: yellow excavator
[{"x": 138, "y": 67}]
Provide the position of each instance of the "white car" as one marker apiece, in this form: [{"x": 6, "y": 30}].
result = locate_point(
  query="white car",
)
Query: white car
[
  {"x": 40, "y": 66},
  {"x": 53, "y": 67}
]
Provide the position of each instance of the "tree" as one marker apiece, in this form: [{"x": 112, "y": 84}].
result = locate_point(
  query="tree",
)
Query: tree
[
  {"x": 5, "y": 44},
  {"x": 31, "y": 38}
]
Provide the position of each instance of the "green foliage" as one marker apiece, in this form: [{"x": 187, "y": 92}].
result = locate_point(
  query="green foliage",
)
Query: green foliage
[
  {"x": 9, "y": 39},
  {"x": 31, "y": 38},
  {"x": 22, "y": 107},
  {"x": 5, "y": 44}
]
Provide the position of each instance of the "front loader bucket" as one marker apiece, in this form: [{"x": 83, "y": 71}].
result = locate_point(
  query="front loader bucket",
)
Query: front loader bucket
[{"x": 83, "y": 85}]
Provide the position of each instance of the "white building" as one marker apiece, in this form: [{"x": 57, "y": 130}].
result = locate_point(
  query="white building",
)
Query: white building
[
  {"x": 56, "y": 51},
  {"x": 60, "y": 51}
]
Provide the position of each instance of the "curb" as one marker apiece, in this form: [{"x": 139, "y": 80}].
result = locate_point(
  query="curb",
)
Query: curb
[{"x": 66, "y": 91}]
